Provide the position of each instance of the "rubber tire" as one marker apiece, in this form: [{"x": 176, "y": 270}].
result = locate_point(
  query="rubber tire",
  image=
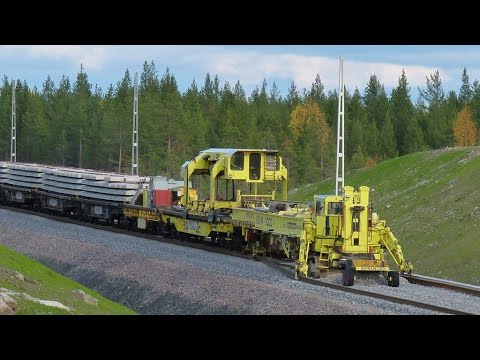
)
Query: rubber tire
[
  {"x": 395, "y": 278},
  {"x": 348, "y": 274}
]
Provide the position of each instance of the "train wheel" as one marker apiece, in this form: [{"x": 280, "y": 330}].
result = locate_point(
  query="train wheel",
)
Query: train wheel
[
  {"x": 393, "y": 278},
  {"x": 173, "y": 232},
  {"x": 160, "y": 228},
  {"x": 221, "y": 240},
  {"x": 237, "y": 242},
  {"x": 213, "y": 239}
]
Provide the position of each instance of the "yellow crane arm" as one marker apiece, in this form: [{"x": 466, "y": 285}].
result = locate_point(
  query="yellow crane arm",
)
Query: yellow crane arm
[{"x": 391, "y": 243}]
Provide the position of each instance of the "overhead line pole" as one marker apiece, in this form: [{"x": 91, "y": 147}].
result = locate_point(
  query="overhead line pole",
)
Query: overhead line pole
[
  {"x": 13, "y": 144},
  {"x": 339, "y": 184},
  {"x": 135, "y": 128}
]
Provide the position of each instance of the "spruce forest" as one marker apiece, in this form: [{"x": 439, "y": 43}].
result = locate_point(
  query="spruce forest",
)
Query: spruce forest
[{"x": 74, "y": 124}]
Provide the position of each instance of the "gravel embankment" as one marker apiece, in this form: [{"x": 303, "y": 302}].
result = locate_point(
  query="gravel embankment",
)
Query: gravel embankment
[{"x": 158, "y": 278}]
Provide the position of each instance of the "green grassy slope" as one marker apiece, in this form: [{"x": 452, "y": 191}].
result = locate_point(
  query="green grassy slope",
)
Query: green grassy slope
[
  {"x": 42, "y": 283},
  {"x": 431, "y": 201}
]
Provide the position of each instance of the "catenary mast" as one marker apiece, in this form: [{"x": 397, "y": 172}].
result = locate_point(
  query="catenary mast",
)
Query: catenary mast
[
  {"x": 135, "y": 128},
  {"x": 339, "y": 183},
  {"x": 13, "y": 147}
]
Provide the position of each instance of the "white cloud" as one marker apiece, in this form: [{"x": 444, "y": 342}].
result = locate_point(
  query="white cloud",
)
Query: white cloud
[
  {"x": 251, "y": 67},
  {"x": 92, "y": 57},
  {"x": 441, "y": 54}
]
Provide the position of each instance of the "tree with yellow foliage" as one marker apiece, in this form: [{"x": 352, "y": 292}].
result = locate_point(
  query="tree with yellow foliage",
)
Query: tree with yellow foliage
[
  {"x": 464, "y": 130},
  {"x": 311, "y": 134}
]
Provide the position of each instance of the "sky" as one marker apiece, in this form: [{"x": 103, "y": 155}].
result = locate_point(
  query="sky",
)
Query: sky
[{"x": 250, "y": 64}]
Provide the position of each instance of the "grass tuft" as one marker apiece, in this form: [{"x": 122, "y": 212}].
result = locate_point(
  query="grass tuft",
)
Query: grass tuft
[{"x": 40, "y": 282}]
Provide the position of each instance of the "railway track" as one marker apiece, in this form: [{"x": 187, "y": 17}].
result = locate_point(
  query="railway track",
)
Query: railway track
[
  {"x": 444, "y": 284},
  {"x": 119, "y": 230},
  {"x": 286, "y": 268}
]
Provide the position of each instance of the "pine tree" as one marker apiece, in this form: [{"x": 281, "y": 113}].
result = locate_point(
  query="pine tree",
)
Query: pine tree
[
  {"x": 110, "y": 133},
  {"x": 34, "y": 141},
  {"x": 376, "y": 101},
  {"x": 402, "y": 112},
  {"x": 466, "y": 93},
  {"x": 265, "y": 119},
  {"x": 414, "y": 140},
  {"x": 437, "y": 127},
  {"x": 149, "y": 78},
  {"x": 5, "y": 118},
  {"x": 48, "y": 95},
  {"x": 318, "y": 90},
  {"x": 209, "y": 103},
  {"x": 22, "y": 97},
  {"x": 247, "y": 124},
  {"x": 293, "y": 98},
  {"x": 331, "y": 108},
  {"x": 279, "y": 119},
  {"x": 196, "y": 138},
  {"x": 63, "y": 123},
  {"x": 434, "y": 93},
  {"x": 216, "y": 89},
  {"x": 170, "y": 125},
  {"x": 228, "y": 131},
  {"x": 151, "y": 149},
  {"x": 355, "y": 120},
  {"x": 387, "y": 143},
  {"x": 358, "y": 158},
  {"x": 452, "y": 108},
  {"x": 371, "y": 137},
  {"x": 121, "y": 124},
  {"x": 475, "y": 103},
  {"x": 80, "y": 135},
  {"x": 274, "y": 94}
]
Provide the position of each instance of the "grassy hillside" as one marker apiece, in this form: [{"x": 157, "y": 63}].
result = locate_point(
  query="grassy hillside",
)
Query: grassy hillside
[
  {"x": 40, "y": 282},
  {"x": 431, "y": 201}
]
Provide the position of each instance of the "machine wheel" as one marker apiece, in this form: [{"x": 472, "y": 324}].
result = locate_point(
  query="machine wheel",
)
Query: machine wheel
[
  {"x": 393, "y": 278},
  {"x": 159, "y": 229},
  {"x": 221, "y": 240},
  {"x": 237, "y": 241},
  {"x": 348, "y": 274},
  {"x": 132, "y": 224},
  {"x": 173, "y": 232},
  {"x": 213, "y": 239}
]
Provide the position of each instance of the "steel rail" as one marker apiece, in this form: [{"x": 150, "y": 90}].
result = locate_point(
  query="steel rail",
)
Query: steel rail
[{"x": 280, "y": 266}]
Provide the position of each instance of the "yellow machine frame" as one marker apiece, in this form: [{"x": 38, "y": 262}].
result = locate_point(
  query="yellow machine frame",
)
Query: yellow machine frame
[
  {"x": 338, "y": 228},
  {"x": 206, "y": 217},
  {"x": 337, "y": 231}
]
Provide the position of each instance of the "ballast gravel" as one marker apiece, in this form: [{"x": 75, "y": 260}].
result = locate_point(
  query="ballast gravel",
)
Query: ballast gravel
[{"x": 152, "y": 277}]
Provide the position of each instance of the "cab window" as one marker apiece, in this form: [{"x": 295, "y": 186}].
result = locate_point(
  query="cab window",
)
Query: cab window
[
  {"x": 334, "y": 208},
  {"x": 236, "y": 161},
  {"x": 254, "y": 172}
]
